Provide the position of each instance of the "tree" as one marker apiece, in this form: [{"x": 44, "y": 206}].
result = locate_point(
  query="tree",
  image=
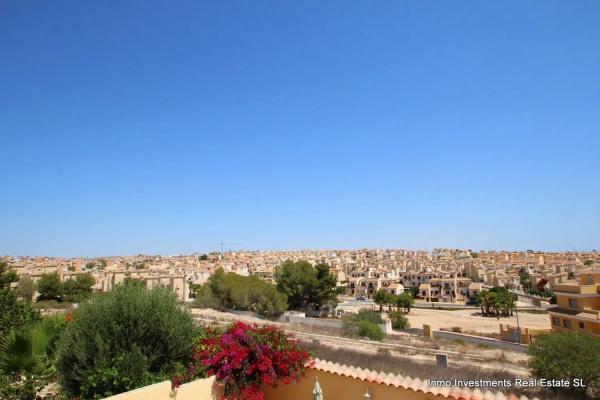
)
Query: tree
[
  {"x": 502, "y": 300},
  {"x": 306, "y": 286},
  {"x": 484, "y": 301},
  {"x": 525, "y": 279},
  {"x": 203, "y": 257},
  {"x": 30, "y": 349},
  {"x": 26, "y": 288},
  {"x": 405, "y": 301},
  {"x": 124, "y": 339},
  {"x": 381, "y": 298},
  {"x": 233, "y": 291},
  {"x": 414, "y": 291},
  {"x": 364, "y": 324},
  {"x": 566, "y": 355},
  {"x": 399, "y": 321},
  {"x": 14, "y": 313},
  {"x": 588, "y": 263},
  {"x": 79, "y": 288},
  {"x": 340, "y": 290},
  {"x": 50, "y": 287},
  {"x": 7, "y": 276}
]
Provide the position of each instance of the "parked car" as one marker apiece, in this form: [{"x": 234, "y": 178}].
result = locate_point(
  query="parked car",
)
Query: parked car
[{"x": 361, "y": 298}]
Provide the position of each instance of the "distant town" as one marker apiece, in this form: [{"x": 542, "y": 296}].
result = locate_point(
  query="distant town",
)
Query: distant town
[{"x": 441, "y": 275}]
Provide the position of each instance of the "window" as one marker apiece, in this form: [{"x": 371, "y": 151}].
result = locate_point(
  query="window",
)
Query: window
[
  {"x": 567, "y": 323},
  {"x": 556, "y": 321},
  {"x": 573, "y": 303},
  {"x": 590, "y": 280},
  {"x": 581, "y": 325}
]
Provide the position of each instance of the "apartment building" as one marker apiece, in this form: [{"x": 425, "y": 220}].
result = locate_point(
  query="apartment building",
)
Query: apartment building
[
  {"x": 451, "y": 290},
  {"x": 578, "y": 305}
]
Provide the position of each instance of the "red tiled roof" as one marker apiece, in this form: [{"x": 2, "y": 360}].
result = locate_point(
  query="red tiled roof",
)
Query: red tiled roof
[{"x": 409, "y": 383}]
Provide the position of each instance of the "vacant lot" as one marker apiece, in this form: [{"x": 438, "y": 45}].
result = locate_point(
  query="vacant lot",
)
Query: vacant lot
[{"x": 472, "y": 321}]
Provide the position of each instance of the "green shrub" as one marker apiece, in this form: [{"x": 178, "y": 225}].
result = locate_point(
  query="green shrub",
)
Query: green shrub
[
  {"x": 50, "y": 287},
  {"x": 365, "y": 314},
  {"x": 456, "y": 329},
  {"x": 14, "y": 313},
  {"x": 124, "y": 339},
  {"x": 370, "y": 330},
  {"x": 27, "y": 356},
  {"x": 246, "y": 293},
  {"x": 566, "y": 355},
  {"x": 363, "y": 324},
  {"x": 399, "y": 321}
]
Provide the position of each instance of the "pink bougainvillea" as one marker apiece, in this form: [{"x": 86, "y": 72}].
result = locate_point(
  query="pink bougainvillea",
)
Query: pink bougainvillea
[{"x": 244, "y": 357}]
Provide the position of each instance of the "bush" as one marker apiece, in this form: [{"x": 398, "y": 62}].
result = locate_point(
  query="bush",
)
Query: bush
[
  {"x": 26, "y": 288},
  {"x": 78, "y": 289},
  {"x": 245, "y": 358},
  {"x": 399, "y": 321},
  {"x": 14, "y": 314},
  {"x": 245, "y": 293},
  {"x": 370, "y": 330},
  {"x": 50, "y": 287},
  {"x": 365, "y": 314},
  {"x": 456, "y": 329},
  {"x": 124, "y": 339},
  {"x": 565, "y": 355},
  {"x": 364, "y": 324},
  {"x": 27, "y": 358}
]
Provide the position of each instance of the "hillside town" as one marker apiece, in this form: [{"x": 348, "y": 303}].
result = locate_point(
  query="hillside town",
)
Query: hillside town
[{"x": 440, "y": 275}]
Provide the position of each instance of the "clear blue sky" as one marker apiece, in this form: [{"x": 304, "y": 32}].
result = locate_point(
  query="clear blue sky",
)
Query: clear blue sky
[{"x": 167, "y": 127}]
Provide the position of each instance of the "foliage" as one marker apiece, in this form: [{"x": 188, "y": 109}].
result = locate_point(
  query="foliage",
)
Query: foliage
[
  {"x": 244, "y": 357},
  {"x": 203, "y": 257},
  {"x": 50, "y": 287},
  {"x": 588, "y": 263},
  {"x": 306, "y": 286},
  {"x": 79, "y": 288},
  {"x": 7, "y": 276},
  {"x": 405, "y": 301},
  {"x": 126, "y": 338},
  {"x": 26, "y": 288},
  {"x": 72, "y": 290},
  {"x": 399, "y": 321},
  {"x": 233, "y": 291},
  {"x": 370, "y": 330},
  {"x": 363, "y": 324},
  {"x": 340, "y": 290},
  {"x": 381, "y": 298},
  {"x": 14, "y": 313},
  {"x": 497, "y": 301},
  {"x": 566, "y": 355},
  {"x": 27, "y": 357},
  {"x": 24, "y": 387},
  {"x": 364, "y": 314},
  {"x": 414, "y": 291},
  {"x": 31, "y": 348}
]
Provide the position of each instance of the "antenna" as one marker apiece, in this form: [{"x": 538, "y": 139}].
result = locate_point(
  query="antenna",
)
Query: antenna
[{"x": 223, "y": 244}]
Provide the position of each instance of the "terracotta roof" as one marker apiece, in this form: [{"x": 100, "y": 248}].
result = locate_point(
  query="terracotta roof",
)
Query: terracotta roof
[{"x": 415, "y": 384}]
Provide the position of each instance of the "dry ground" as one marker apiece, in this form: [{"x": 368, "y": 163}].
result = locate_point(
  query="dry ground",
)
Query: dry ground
[{"x": 471, "y": 321}]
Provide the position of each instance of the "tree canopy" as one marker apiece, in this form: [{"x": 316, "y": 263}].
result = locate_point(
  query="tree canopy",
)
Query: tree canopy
[
  {"x": 566, "y": 355},
  {"x": 246, "y": 293},
  {"x": 306, "y": 286},
  {"x": 14, "y": 313}
]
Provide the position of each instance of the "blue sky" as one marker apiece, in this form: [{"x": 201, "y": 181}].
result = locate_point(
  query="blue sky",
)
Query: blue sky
[{"x": 165, "y": 127}]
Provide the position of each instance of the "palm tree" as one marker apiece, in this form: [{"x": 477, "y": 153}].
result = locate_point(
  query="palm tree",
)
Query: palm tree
[
  {"x": 484, "y": 301},
  {"x": 29, "y": 349}
]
